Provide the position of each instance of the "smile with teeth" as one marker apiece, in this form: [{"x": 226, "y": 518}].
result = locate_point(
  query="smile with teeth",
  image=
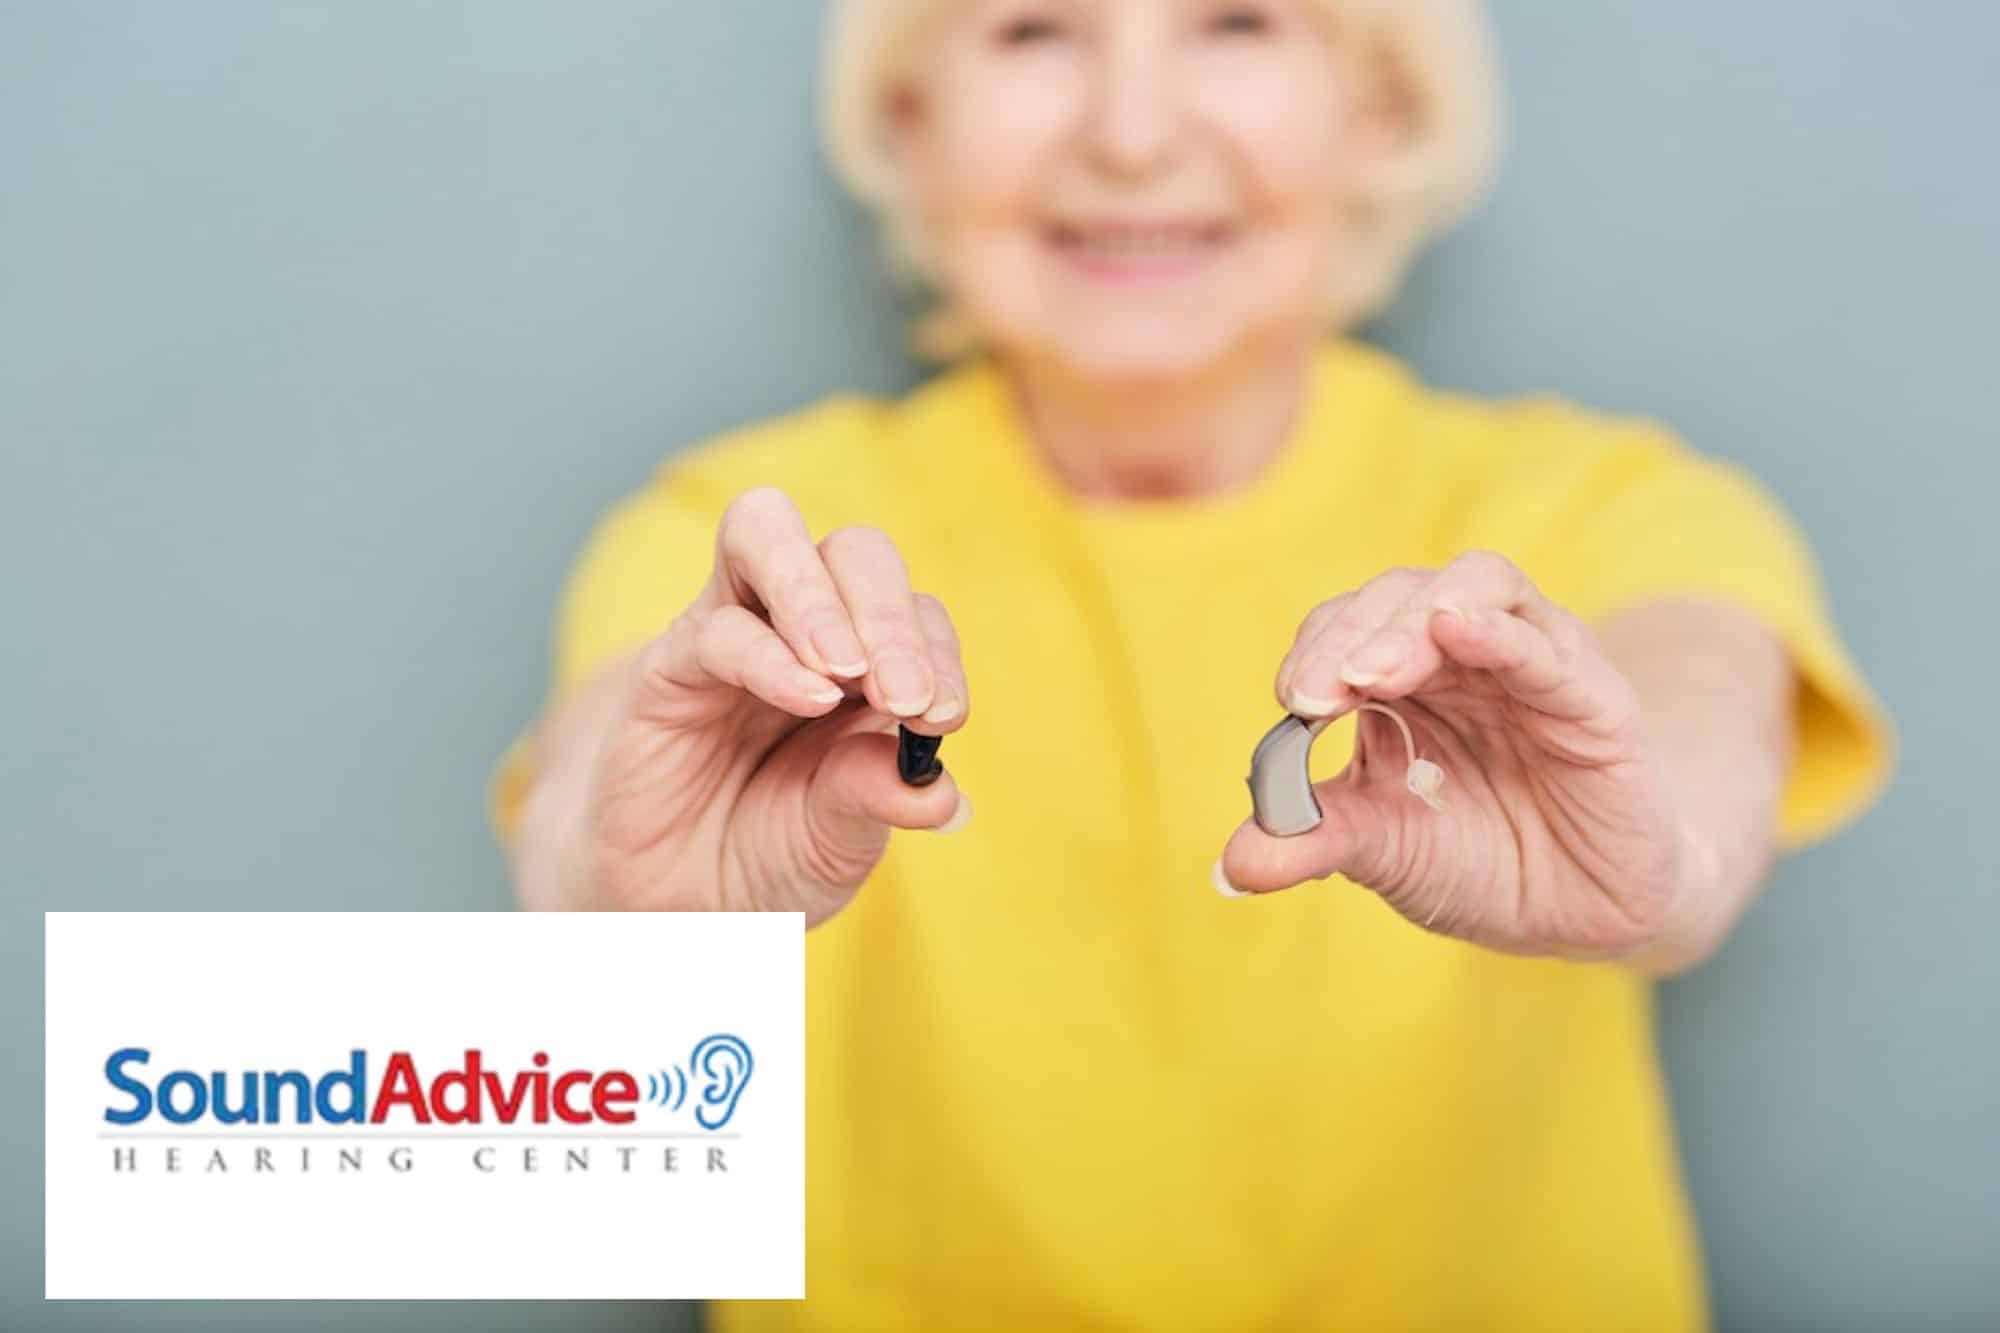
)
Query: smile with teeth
[{"x": 1138, "y": 246}]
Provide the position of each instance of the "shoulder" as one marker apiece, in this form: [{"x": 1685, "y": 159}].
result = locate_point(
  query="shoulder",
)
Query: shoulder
[
  {"x": 1532, "y": 436},
  {"x": 1518, "y": 461}
]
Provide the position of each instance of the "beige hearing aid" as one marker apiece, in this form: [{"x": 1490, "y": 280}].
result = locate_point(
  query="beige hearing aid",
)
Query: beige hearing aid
[{"x": 1281, "y": 793}]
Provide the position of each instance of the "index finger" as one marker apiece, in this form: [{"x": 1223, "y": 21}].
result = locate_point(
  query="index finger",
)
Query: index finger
[
  {"x": 1401, "y": 653},
  {"x": 952, "y": 698},
  {"x": 766, "y": 559}
]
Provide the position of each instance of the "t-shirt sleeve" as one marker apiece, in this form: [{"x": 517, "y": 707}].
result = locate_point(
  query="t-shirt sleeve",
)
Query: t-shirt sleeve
[
  {"x": 1645, "y": 516},
  {"x": 644, "y": 561}
]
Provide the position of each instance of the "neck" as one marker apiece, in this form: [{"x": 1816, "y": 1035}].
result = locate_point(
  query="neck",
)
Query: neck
[{"x": 1151, "y": 438}]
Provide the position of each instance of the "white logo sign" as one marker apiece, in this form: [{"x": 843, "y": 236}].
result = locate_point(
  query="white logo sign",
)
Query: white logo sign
[{"x": 425, "y": 1105}]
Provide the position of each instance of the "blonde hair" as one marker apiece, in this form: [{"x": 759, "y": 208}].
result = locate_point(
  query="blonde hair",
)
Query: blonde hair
[{"x": 1440, "y": 54}]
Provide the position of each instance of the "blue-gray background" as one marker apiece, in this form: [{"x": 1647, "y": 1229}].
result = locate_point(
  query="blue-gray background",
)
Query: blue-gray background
[{"x": 326, "y": 329}]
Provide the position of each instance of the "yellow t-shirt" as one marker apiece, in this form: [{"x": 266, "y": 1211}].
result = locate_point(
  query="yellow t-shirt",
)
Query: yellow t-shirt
[{"x": 1053, "y": 1079}]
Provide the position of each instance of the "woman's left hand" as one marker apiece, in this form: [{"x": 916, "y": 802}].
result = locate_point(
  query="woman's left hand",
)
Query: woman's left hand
[{"x": 1558, "y": 833}]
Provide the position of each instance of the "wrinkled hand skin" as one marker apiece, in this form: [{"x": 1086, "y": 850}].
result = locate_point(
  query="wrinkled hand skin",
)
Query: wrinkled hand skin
[
  {"x": 745, "y": 758},
  {"x": 711, "y": 813},
  {"x": 1560, "y": 835}
]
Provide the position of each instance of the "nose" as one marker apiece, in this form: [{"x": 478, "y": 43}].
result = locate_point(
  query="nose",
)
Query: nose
[{"x": 1135, "y": 113}]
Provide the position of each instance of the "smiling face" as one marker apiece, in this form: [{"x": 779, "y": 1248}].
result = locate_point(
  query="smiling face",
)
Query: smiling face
[{"x": 1133, "y": 188}]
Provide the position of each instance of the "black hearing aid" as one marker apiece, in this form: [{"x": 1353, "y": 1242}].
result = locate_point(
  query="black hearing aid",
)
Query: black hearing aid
[{"x": 916, "y": 757}]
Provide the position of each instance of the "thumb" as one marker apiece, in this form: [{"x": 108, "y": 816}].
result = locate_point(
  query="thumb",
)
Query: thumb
[
  {"x": 1368, "y": 834},
  {"x": 855, "y": 797}
]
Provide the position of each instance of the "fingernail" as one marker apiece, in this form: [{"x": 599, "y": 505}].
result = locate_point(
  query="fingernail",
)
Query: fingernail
[
  {"x": 825, "y": 694},
  {"x": 1309, "y": 705},
  {"x": 1451, "y": 610},
  {"x": 842, "y": 652},
  {"x": 1359, "y": 678},
  {"x": 945, "y": 709},
  {"x": 1222, "y": 884},
  {"x": 902, "y": 686},
  {"x": 960, "y": 817}
]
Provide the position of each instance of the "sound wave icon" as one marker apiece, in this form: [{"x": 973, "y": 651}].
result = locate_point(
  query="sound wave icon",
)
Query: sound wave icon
[{"x": 668, "y": 1088}]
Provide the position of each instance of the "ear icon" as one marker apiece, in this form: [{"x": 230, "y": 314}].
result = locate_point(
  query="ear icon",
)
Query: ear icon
[{"x": 725, "y": 1062}]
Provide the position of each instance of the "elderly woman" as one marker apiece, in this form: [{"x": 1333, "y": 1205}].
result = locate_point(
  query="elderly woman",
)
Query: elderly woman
[{"x": 1395, "y": 1070}]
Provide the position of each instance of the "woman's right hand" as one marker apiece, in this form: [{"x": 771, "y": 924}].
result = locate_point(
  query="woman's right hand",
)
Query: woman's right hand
[{"x": 745, "y": 759}]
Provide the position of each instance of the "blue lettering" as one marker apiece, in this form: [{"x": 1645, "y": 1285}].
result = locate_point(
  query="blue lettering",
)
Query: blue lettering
[
  {"x": 142, "y": 1096},
  {"x": 182, "y": 1096},
  {"x": 181, "y": 1078},
  {"x": 301, "y": 1104},
  {"x": 228, "y": 1114},
  {"x": 355, "y": 1080}
]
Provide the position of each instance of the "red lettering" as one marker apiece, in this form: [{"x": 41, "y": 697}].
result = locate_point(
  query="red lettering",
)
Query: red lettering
[
  {"x": 467, "y": 1082},
  {"x": 506, "y": 1108},
  {"x": 617, "y": 1085},
  {"x": 400, "y": 1085},
  {"x": 564, "y": 1111},
  {"x": 461, "y": 1096}
]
